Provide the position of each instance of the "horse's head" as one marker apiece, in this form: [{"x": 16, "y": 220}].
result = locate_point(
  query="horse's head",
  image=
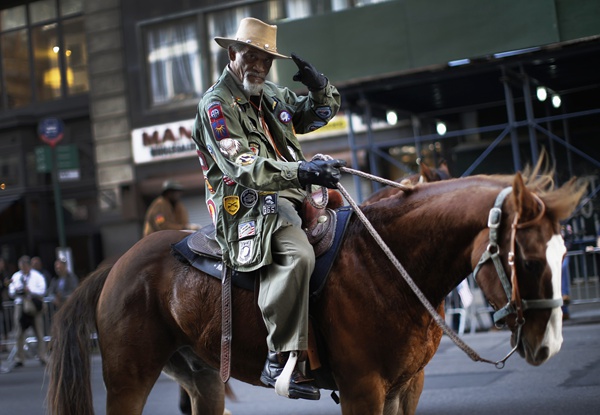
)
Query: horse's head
[{"x": 520, "y": 269}]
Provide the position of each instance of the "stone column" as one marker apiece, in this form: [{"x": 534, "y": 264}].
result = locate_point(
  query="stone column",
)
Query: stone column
[{"x": 110, "y": 122}]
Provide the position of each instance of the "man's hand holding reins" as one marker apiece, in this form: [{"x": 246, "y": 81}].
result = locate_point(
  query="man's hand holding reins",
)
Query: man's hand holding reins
[{"x": 320, "y": 172}]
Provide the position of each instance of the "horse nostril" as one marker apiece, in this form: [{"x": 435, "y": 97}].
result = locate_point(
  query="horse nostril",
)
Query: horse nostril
[{"x": 542, "y": 354}]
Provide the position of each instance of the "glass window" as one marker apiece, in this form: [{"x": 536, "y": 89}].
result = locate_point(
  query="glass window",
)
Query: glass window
[
  {"x": 45, "y": 61},
  {"x": 297, "y": 9},
  {"x": 13, "y": 18},
  {"x": 75, "y": 56},
  {"x": 15, "y": 68},
  {"x": 43, "y": 10},
  {"x": 68, "y": 7},
  {"x": 173, "y": 62}
]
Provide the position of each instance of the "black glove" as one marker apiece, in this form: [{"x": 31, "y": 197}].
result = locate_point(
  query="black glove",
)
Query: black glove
[
  {"x": 320, "y": 172},
  {"x": 308, "y": 75}
]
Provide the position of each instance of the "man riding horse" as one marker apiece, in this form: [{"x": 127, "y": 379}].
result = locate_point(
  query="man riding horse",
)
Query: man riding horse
[{"x": 255, "y": 173}]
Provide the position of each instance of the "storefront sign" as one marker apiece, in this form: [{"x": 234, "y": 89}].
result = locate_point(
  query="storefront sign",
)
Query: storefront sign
[{"x": 163, "y": 142}]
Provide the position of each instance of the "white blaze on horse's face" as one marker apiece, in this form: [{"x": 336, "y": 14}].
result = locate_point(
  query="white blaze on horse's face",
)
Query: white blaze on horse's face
[{"x": 555, "y": 252}]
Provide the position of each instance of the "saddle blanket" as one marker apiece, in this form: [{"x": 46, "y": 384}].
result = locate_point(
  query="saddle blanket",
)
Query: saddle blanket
[{"x": 214, "y": 266}]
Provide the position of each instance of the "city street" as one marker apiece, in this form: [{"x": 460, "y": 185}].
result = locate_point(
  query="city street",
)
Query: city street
[{"x": 567, "y": 384}]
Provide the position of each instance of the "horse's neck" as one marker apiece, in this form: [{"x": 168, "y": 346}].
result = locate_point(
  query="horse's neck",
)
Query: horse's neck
[{"x": 433, "y": 235}]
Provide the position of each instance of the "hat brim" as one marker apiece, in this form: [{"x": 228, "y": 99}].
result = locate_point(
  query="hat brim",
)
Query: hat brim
[{"x": 226, "y": 42}]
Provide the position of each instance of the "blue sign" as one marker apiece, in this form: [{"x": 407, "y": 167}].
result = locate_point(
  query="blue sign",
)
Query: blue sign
[{"x": 51, "y": 130}]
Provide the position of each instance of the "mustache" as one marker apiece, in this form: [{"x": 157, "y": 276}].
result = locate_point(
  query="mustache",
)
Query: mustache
[{"x": 256, "y": 75}]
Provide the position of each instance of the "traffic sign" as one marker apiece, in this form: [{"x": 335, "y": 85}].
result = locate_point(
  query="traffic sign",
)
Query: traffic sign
[{"x": 51, "y": 130}]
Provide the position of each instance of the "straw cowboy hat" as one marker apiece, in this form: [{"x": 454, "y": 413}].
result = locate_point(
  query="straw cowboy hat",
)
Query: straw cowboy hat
[{"x": 255, "y": 33}]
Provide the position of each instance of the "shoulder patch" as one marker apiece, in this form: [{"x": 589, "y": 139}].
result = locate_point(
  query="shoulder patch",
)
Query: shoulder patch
[{"x": 217, "y": 120}]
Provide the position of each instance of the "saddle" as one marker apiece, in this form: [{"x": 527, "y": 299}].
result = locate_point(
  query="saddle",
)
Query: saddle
[{"x": 318, "y": 223}]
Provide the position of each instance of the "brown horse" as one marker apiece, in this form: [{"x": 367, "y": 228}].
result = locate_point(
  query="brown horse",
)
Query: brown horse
[{"x": 152, "y": 312}]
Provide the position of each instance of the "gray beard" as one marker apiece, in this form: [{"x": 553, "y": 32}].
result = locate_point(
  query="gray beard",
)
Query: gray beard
[{"x": 252, "y": 88}]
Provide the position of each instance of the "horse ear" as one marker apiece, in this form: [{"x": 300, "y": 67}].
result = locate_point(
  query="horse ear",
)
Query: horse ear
[
  {"x": 523, "y": 198},
  {"x": 444, "y": 167},
  {"x": 426, "y": 173}
]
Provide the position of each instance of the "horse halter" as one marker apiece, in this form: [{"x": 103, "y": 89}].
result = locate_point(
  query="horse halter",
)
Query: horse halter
[{"x": 515, "y": 304}]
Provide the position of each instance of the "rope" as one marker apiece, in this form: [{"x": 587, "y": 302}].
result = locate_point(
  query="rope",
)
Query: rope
[{"x": 430, "y": 309}]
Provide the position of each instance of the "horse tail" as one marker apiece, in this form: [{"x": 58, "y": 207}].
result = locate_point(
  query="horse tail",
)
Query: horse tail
[{"x": 69, "y": 388}]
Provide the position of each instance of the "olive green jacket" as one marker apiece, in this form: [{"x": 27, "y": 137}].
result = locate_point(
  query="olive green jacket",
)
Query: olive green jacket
[{"x": 243, "y": 175}]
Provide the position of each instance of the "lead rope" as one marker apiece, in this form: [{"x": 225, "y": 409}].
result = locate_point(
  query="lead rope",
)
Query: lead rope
[{"x": 430, "y": 309}]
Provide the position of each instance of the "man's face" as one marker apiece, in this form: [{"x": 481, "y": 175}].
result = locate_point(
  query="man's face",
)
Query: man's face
[
  {"x": 60, "y": 267},
  {"x": 252, "y": 66}
]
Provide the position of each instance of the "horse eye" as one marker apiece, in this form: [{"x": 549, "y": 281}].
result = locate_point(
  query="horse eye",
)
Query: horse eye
[{"x": 533, "y": 266}]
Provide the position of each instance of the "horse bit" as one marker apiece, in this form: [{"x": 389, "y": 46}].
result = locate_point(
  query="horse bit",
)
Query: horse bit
[{"x": 515, "y": 304}]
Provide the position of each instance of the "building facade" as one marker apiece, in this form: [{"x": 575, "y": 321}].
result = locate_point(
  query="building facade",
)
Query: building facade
[{"x": 124, "y": 78}]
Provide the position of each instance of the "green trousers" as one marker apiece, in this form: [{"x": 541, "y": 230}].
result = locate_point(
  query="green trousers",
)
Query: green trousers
[{"x": 284, "y": 284}]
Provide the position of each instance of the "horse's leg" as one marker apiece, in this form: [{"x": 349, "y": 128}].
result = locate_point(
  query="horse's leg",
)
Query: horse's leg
[
  {"x": 411, "y": 394},
  {"x": 362, "y": 397},
  {"x": 129, "y": 376},
  {"x": 405, "y": 401},
  {"x": 135, "y": 345},
  {"x": 202, "y": 383}
]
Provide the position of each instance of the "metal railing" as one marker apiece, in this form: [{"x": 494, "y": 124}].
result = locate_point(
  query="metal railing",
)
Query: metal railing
[
  {"x": 8, "y": 329},
  {"x": 583, "y": 274}
]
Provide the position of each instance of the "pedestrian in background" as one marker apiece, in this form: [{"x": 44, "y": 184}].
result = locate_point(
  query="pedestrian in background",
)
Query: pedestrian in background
[
  {"x": 38, "y": 265},
  {"x": 63, "y": 284},
  {"x": 27, "y": 286},
  {"x": 167, "y": 211}
]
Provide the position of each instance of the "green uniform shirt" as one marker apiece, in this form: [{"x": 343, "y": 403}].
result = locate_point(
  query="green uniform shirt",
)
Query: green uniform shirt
[{"x": 244, "y": 175}]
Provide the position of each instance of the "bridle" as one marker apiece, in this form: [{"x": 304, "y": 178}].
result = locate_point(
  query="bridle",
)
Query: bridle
[{"x": 515, "y": 304}]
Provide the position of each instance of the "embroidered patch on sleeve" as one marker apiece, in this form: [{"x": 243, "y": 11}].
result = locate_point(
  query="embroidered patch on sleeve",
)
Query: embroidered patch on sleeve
[
  {"x": 219, "y": 128},
  {"x": 229, "y": 147},
  {"x": 285, "y": 117},
  {"x": 217, "y": 120},
  {"x": 323, "y": 112},
  {"x": 245, "y": 159}
]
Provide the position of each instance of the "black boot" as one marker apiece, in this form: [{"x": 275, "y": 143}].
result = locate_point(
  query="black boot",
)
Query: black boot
[{"x": 300, "y": 386}]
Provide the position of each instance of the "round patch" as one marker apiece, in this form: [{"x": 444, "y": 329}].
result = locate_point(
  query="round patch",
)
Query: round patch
[
  {"x": 285, "y": 116},
  {"x": 249, "y": 198}
]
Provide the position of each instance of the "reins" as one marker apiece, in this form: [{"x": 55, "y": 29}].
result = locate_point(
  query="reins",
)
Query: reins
[{"x": 492, "y": 253}]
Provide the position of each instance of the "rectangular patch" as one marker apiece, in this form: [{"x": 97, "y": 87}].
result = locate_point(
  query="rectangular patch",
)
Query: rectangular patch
[
  {"x": 245, "y": 251},
  {"x": 246, "y": 229},
  {"x": 269, "y": 203}
]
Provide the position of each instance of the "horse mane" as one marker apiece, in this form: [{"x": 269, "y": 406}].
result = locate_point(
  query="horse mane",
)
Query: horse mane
[{"x": 560, "y": 201}]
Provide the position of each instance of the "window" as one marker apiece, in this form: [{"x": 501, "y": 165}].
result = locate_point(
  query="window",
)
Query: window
[
  {"x": 43, "y": 54},
  {"x": 173, "y": 61}
]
